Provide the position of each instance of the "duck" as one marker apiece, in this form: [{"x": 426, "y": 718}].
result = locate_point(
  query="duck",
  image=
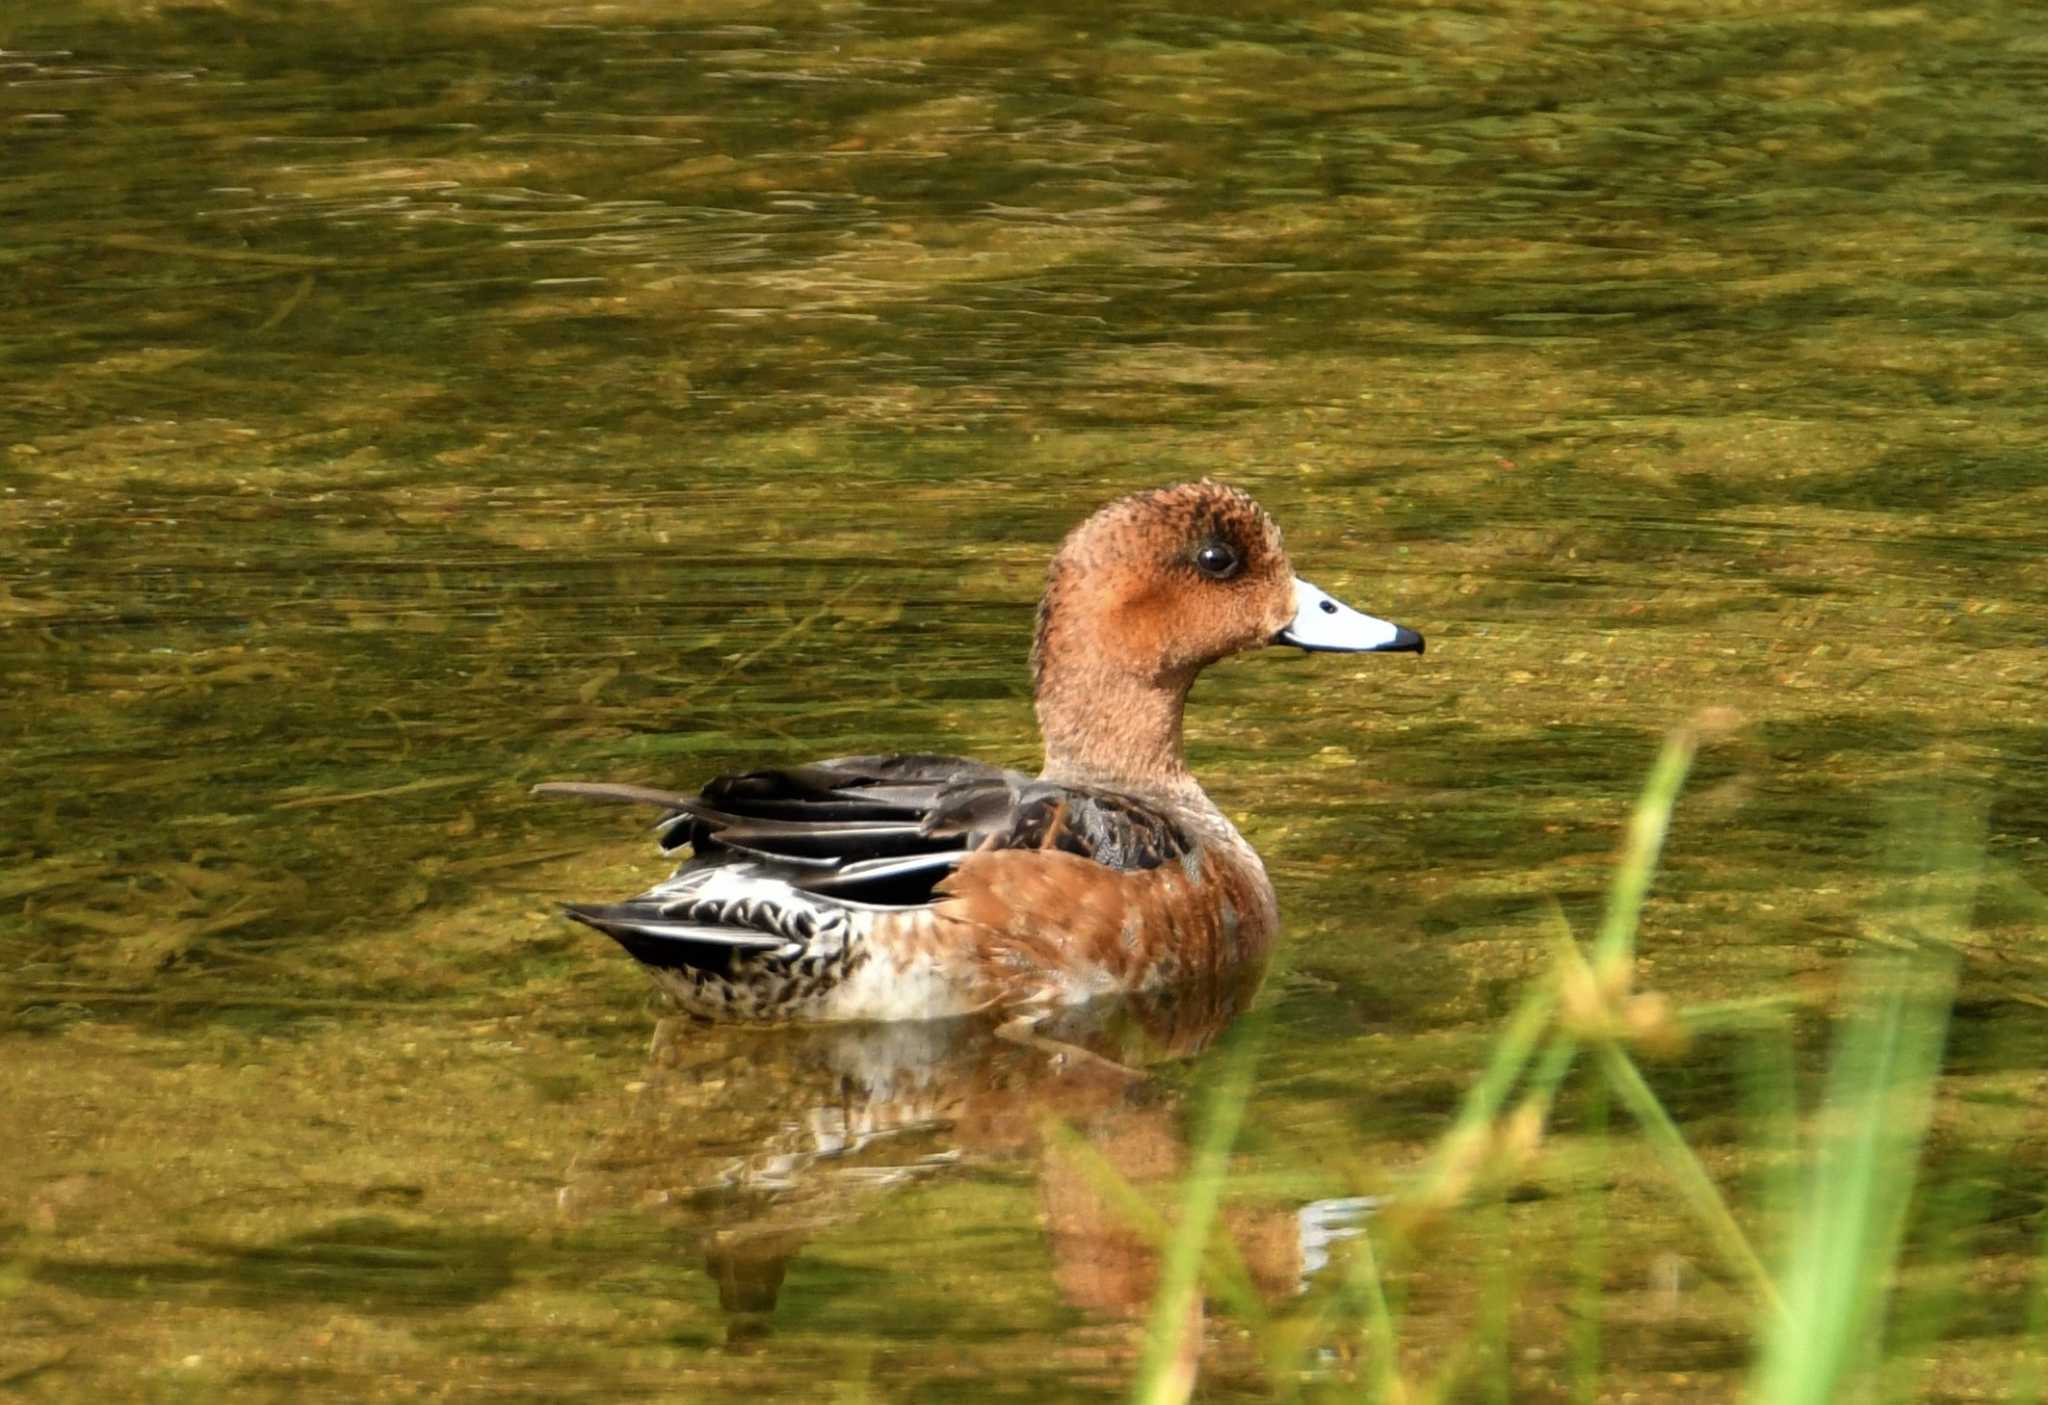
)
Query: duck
[{"x": 925, "y": 887}]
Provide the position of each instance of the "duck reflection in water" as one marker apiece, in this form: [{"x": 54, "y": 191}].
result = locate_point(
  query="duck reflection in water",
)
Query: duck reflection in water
[{"x": 747, "y": 1143}]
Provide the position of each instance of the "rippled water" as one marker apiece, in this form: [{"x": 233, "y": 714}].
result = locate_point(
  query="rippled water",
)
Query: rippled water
[{"x": 405, "y": 403}]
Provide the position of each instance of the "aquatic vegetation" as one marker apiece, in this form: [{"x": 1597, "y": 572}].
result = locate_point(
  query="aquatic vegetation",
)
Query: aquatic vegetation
[{"x": 1814, "y": 1249}]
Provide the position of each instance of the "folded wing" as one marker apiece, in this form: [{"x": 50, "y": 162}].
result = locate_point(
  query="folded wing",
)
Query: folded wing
[{"x": 791, "y": 862}]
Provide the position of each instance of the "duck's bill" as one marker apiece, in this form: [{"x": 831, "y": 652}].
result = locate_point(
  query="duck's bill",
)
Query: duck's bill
[{"x": 1325, "y": 625}]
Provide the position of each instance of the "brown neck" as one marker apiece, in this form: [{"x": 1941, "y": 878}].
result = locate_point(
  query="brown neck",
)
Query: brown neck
[{"x": 1114, "y": 731}]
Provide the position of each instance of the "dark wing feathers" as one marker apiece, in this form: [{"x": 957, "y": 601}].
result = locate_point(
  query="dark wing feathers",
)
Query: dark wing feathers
[
  {"x": 885, "y": 830},
  {"x": 657, "y": 940},
  {"x": 849, "y": 879},
  {"x": 609, "y": 917},
  {"x": 797, "y": 839},
  {"x": 1113, "y": 830}
]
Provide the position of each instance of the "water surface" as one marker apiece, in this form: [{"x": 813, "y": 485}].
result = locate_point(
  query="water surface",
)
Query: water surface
[{"x": 406, "y": 403}]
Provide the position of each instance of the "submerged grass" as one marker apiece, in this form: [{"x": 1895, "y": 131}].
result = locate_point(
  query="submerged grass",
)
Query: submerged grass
[{"x": 1815, "y": 1237}]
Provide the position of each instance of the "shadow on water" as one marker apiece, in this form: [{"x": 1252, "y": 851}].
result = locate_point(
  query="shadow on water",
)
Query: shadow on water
[{"x": 365, "y": 1263}]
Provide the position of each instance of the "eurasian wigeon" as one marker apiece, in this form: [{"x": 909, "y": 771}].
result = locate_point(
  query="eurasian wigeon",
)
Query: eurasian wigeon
[{"x": 922, "y": 887}]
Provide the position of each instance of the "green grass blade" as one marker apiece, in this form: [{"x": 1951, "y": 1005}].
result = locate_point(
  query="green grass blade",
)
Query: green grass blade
[
  {"x": 1646, "y": 830},
  {"x": 1853, "y": 1209},
  {"x": 1589, "y": 1260},
  {"x": 2029, "y": 1382},
  {"x": 1694, "y": 1183},
  {"x": 1874, "y": 1115},
  {"x": 1166, "y": 1371},
  {"x": 1363, "y": 1279}
]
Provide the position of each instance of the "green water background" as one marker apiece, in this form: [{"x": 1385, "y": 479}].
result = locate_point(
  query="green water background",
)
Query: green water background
[{"x": 405, "y": 403}]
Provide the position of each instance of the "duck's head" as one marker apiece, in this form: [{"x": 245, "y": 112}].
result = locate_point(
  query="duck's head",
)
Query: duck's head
[{"x": 1149, "y": 591}]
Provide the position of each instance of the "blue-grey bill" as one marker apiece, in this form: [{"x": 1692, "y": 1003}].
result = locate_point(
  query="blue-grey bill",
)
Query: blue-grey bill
[{"x": 1324, "y": 624}]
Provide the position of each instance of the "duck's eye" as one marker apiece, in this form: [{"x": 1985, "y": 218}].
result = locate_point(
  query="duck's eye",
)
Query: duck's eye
[{"x": 1218, "y": 561}]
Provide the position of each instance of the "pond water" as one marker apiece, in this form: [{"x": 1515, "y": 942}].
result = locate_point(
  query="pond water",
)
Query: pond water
[{"x": 407, "y": 402}]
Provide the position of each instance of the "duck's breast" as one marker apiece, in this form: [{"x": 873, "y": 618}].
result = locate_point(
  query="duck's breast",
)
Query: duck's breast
[{"x": 1046, "y": 925}]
